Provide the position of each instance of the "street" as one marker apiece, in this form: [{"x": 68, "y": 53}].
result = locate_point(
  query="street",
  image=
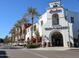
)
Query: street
[{"x": 25, "y": 53}]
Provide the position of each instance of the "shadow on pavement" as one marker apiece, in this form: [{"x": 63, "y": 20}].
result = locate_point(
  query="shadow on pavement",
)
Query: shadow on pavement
[{"x": 3, "y": 54}]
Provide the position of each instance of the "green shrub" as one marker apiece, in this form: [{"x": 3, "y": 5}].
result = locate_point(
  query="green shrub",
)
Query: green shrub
[{"x": 32, "y": 46}]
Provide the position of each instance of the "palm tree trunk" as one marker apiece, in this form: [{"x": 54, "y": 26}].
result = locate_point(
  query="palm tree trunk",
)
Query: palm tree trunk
[
  {"x": 37, "y": 40},
  {"x": 32, "y": 28},
  {"x": 24, "y": 33}
]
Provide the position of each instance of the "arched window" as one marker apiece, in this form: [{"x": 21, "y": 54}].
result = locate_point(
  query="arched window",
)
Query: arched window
[
  {"x": 55, "y": 6},
  {"x": 55, "y": 19}
]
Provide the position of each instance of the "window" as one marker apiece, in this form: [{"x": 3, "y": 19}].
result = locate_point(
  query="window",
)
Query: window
[
  {"x": 55, "y": 19},
  {"x": 72, "y": 19},
  {"x": 31, "y": 29},
  {"x": 41, "y": 23},
  {"x": 55, "y": 6}
]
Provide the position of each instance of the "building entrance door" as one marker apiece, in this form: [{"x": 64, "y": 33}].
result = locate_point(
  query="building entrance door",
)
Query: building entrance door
[{"x": 57, "y": 39}]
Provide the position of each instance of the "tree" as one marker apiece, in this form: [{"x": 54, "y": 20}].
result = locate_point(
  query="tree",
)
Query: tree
[
  {"x": 13, "y": 34},
  {"x": 7, "y": 40},
  {"x": 32, "y": 12},
  {"x": 1, "y": 40},
  {"x": 17, "y": 30},
  {"x": 22, "y": 24}
]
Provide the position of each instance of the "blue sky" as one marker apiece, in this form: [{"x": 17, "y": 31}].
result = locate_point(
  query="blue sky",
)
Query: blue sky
[{"x": 13, "y": 10}]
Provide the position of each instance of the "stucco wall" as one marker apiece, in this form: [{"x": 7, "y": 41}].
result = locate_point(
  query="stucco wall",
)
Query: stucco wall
[{"x": 67, "y": 33}]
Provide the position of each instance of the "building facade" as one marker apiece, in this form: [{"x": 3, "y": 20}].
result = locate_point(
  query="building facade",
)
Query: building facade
[
  {"x": 29, "y": 30},
  {"x": 58, "y": 26}
]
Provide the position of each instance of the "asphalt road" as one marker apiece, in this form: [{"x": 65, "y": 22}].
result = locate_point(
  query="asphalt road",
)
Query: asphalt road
[{"x": 25, "y": 53}]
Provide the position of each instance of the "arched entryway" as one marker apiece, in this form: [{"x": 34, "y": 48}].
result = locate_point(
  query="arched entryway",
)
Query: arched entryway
[{"x": 57, "y": 39}]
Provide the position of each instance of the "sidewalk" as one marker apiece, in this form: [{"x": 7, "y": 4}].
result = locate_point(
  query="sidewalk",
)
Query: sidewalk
[
  {"x": 55, "y": 48},
  {"x": 51, "y": 48}
]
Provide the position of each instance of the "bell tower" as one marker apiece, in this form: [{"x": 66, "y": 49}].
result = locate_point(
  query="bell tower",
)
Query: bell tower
[{"x": 55, "y": 3}]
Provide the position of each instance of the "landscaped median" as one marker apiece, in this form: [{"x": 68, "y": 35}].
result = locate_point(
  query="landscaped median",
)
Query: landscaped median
[{"x": 32, "y": 46}]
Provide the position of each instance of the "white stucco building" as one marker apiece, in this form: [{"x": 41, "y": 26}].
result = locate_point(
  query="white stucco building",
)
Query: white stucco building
[
  {"x": 29, "y": 31},
  {"x": 59, "y": 26}
]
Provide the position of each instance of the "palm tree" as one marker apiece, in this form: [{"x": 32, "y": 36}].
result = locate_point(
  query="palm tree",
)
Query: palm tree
[
  {"x": 13, "y": 34},
  {"x": 21, "y": 32},
  {"x": 32, "y": 12},
  {"x": 17, "y": 28},
  {"x": 23, "y": 22},
  {"x": 6, "y": 41}
]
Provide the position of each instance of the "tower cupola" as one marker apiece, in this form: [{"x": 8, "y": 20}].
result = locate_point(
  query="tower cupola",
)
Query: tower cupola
[{"x": 55, "y": 3}]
